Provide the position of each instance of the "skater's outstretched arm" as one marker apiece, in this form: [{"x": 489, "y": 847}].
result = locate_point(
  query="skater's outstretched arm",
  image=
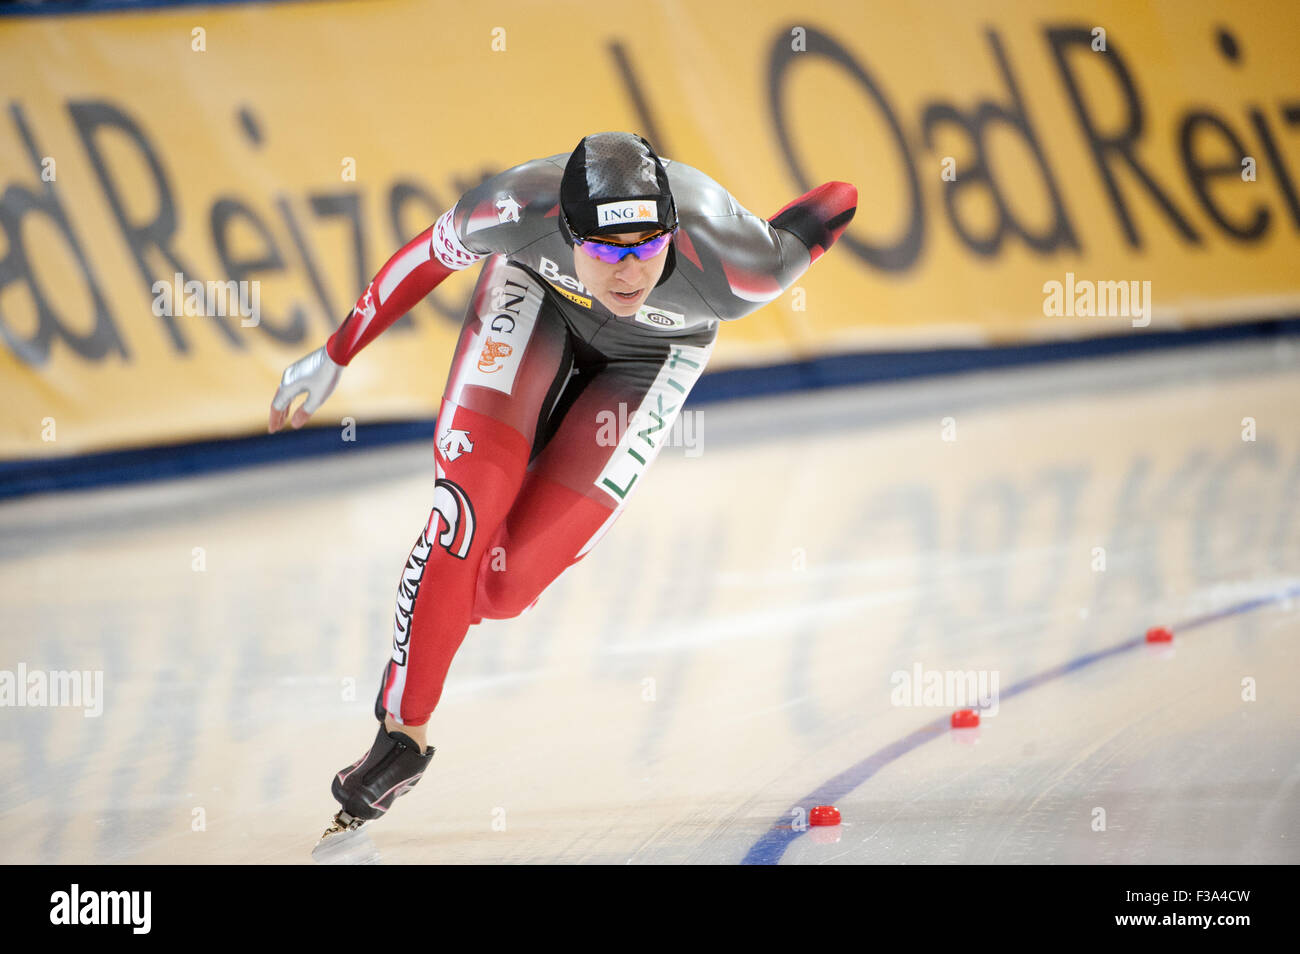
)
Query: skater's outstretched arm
[
  {"x": 819, "y": 217},
  {"x": 739, "y": 261},
  {"x": 416, "y": 269},
  {"x": 480, "y": 224}
]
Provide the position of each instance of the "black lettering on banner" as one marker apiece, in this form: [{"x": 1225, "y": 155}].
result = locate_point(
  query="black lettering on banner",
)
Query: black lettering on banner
[
  {"x": 227, "y": 210},
  {"x": 304, "y": 255},
  {"x": 16, "y": 204},
  {"x": 977, "y": 173},
  {"x": 1199, "y": 173},
  {"x": 92, "y": 119},
  {"x": 1275, "y": 158},
  {"x": 273, "y": 260},
  {"x": 934, "y": 116},
  {"x": 1117, "y": 146},
  {"x": 902, "y": 254},
  {"x": 313, "y": 274},
  {"x": 1232, "y": 52},
  {"x": 347, "y": 205},
  {"x": 623, "y": 63}
]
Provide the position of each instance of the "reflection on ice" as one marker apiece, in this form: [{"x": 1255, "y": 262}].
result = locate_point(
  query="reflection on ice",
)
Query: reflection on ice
[{"x": 726, "y": 649}]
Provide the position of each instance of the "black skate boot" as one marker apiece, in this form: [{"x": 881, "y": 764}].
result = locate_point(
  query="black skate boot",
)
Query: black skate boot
[
  {"x": 366, "y": 789},
  {"x": 392, "y": 767}
]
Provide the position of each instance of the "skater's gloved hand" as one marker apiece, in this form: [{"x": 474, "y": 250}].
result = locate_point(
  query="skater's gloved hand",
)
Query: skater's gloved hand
[{"x": 316, "y": 375}]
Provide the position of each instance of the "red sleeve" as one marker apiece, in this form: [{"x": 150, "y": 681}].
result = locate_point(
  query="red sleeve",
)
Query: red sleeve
[
  {"x": 819, "y": 217},
  {"x": 415, "y": 270}
]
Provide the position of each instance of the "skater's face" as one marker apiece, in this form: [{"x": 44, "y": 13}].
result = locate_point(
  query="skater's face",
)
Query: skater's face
[{"x": 622, "y": 287}]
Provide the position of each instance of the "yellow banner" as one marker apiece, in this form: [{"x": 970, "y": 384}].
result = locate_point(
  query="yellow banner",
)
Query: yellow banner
[{"x": 1026, "y": 171}]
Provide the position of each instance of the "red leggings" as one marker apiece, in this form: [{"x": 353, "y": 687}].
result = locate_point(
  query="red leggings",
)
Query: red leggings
[{"x": 546, "y": 426}]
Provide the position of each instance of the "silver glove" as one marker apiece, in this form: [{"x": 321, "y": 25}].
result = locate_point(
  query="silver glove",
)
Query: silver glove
[{"x": 317, "y": 374}]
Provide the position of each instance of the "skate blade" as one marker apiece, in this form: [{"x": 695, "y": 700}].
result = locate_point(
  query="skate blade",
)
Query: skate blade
[{"x": 339, "y": 846}]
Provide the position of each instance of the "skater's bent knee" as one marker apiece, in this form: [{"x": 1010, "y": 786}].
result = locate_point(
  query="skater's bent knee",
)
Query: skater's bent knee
[{"x": 505, "y": 595}]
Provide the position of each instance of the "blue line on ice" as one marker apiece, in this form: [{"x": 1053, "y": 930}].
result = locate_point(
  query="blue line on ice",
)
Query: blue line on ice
[{"x": 769, "y": 849}]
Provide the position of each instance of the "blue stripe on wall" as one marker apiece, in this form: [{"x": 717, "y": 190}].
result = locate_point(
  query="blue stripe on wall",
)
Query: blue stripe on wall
[
  {"x": 19, "y": 477},
  {"x": 61, "y": 7}
]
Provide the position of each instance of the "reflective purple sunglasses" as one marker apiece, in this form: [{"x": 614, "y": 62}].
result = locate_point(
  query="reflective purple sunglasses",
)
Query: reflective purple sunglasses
[{"x": 611, "y": 253}]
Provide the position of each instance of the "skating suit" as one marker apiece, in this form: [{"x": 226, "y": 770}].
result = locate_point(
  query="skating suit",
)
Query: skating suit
[{"x": 554, "y": 407}]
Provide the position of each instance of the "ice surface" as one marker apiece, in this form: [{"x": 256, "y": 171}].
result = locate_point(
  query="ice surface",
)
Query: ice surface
[{"x": 724, "y": 653}]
